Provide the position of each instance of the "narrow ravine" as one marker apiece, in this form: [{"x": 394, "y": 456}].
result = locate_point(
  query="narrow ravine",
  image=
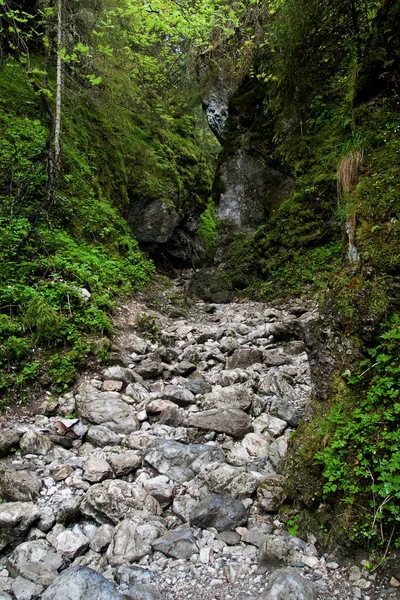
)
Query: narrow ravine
[{"x": 159, "y": 477}]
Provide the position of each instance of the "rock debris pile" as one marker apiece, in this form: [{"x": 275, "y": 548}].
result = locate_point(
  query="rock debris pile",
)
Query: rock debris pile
[{"x": 158, "y": 479}]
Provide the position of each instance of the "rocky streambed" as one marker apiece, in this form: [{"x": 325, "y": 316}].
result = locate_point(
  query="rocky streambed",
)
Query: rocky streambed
[{"x": 158, "y": 478}]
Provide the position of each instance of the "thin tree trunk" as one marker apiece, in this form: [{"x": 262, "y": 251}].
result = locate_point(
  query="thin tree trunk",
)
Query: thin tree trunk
[{"x": 57, "y": 129}]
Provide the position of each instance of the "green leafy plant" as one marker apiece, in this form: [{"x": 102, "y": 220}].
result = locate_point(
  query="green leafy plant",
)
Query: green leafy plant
[{"x": 361, "y": 460}]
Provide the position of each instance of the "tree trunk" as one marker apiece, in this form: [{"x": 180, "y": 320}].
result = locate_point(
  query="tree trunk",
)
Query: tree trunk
[{"x": 57, "y": 127}]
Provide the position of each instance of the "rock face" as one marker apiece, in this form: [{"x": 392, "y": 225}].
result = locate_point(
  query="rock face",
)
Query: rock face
[
  {"x": 154, "y": 222},
  {"x": 247, "y": 185},
  {"x": 250, "y": 189}
]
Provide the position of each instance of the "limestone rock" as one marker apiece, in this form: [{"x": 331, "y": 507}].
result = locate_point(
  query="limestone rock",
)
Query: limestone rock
[
  {"x": 257, "y": 444},
  {"x": 184, "y": 368},
  {"x": 234, "y": 422},
  {"x": 113, "y": 500},
  {"x": 149, "y": 369},
  {"x": 71, "y": 543},
  {"x": 20, "y": 486},
  {"x": 136, "y": 345},
  {"x": 220, "y": 511},
  {"x": 102, "y": 538},
  {"x": 33, "y": 442},
  {"x": 23, "y": 589},
  {"x": 198, "y": 386},
  {"x": 16, "y": 518},
  {"x": 161, "y": 488},
  {"x": 275, "y": 384},
  {"x": 285, "y": 410},
  {"x": 181, "y": 462},
  {"x": 35, "y": 560},
  {"x": 131, "y": 541},
  {"x": 233, "y": 396},
  {"x": 244, "y": 357},
  {"x": 224, "y": 479},
  {"x": 271, "y": 493},
  {"x": 9, "y": 438},
  {"x": 277, "y": 450},
  {"x": 97, "y": 468},
  {"x": 117, "y": 373},
  {"x": 178, "y": 543},
  {"x": 111, "y": 385},
  {"x": 183, "y": 506},
  {"x": 81, "y": 583},
  {"x": 284, "y": 584},
  {"x": 278, "y": 548},
  {"x": 125, "y": 463},
  {"x": 270, "y": 424},
  {"x": 179, "y": 395},
  {"x": 153, "y": 222},
  {"x": 110, "y": 411},
  {"x": 143, "y": 592}
]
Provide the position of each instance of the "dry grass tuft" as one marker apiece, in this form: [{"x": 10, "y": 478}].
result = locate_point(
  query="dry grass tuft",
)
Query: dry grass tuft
[{"x": 347, "y": 173}]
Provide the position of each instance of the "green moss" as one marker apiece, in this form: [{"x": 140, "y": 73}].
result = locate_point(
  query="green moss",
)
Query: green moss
[{"x": 208, "y": 229}]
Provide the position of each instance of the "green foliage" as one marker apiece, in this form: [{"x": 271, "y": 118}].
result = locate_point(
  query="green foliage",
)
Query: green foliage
[
  {"x": 208, "y": 229},
  {"x": 307, "y": 271},
  {"x": 361, "y": 458}
]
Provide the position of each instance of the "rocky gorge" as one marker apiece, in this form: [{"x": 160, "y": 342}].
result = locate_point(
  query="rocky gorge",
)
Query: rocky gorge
[{"x": 162, "y": 476}]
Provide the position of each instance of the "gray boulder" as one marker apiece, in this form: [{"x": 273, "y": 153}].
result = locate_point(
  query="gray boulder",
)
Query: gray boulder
[
  {"x": 154, "y": 222},
  {"x": 98, "y": 435},
  {"x": 198, "y": 386},
  {"x": 81, "y": 583},
  {"x": 131, "y": 541},
  {"x": 108, "y": 410},
  {"x": 275, "y": 384},
  {"x": 244, "y": 357},
  {"x": 9, "y": 438},
  {"x": 97, "y": 468},
  {"x": 71, "y": 543},
  {"x": 20, "y": 486},
  {"x": 33, "y": 442},
  {"x": 143, "y": 592},
  {"x": 278, "y": 549},
  {"x": 16, "y": 518},
  {"x": 184, "y": 368},
  {"x": 117, "y": 373},
  {"x": 285, "y": 584},
  {"x": 181, "y": 462},
  {"x": 149, "y": 369},
  {"x": 232, "y": 421},
  {"x": 224, "y": 479},
  {"x": 283, "y": 409},
  {"x": 35, "y": 560},
  {"x": 220, "y": 511},
  {"x": 125, "y": 463},
  {"x": 179, "y": 395},
  {"x": 232, "y": 396},
  {"x": 178, "y": 543},
  {"x": 102, "y": 538},
  {"x": 23, "y": 589},
  {"x": 271, "y": 493},
  {"x": 113, "y": 500}
]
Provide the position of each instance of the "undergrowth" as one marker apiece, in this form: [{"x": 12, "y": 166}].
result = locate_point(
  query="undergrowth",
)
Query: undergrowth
[{"x": 361, "y": 457}]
